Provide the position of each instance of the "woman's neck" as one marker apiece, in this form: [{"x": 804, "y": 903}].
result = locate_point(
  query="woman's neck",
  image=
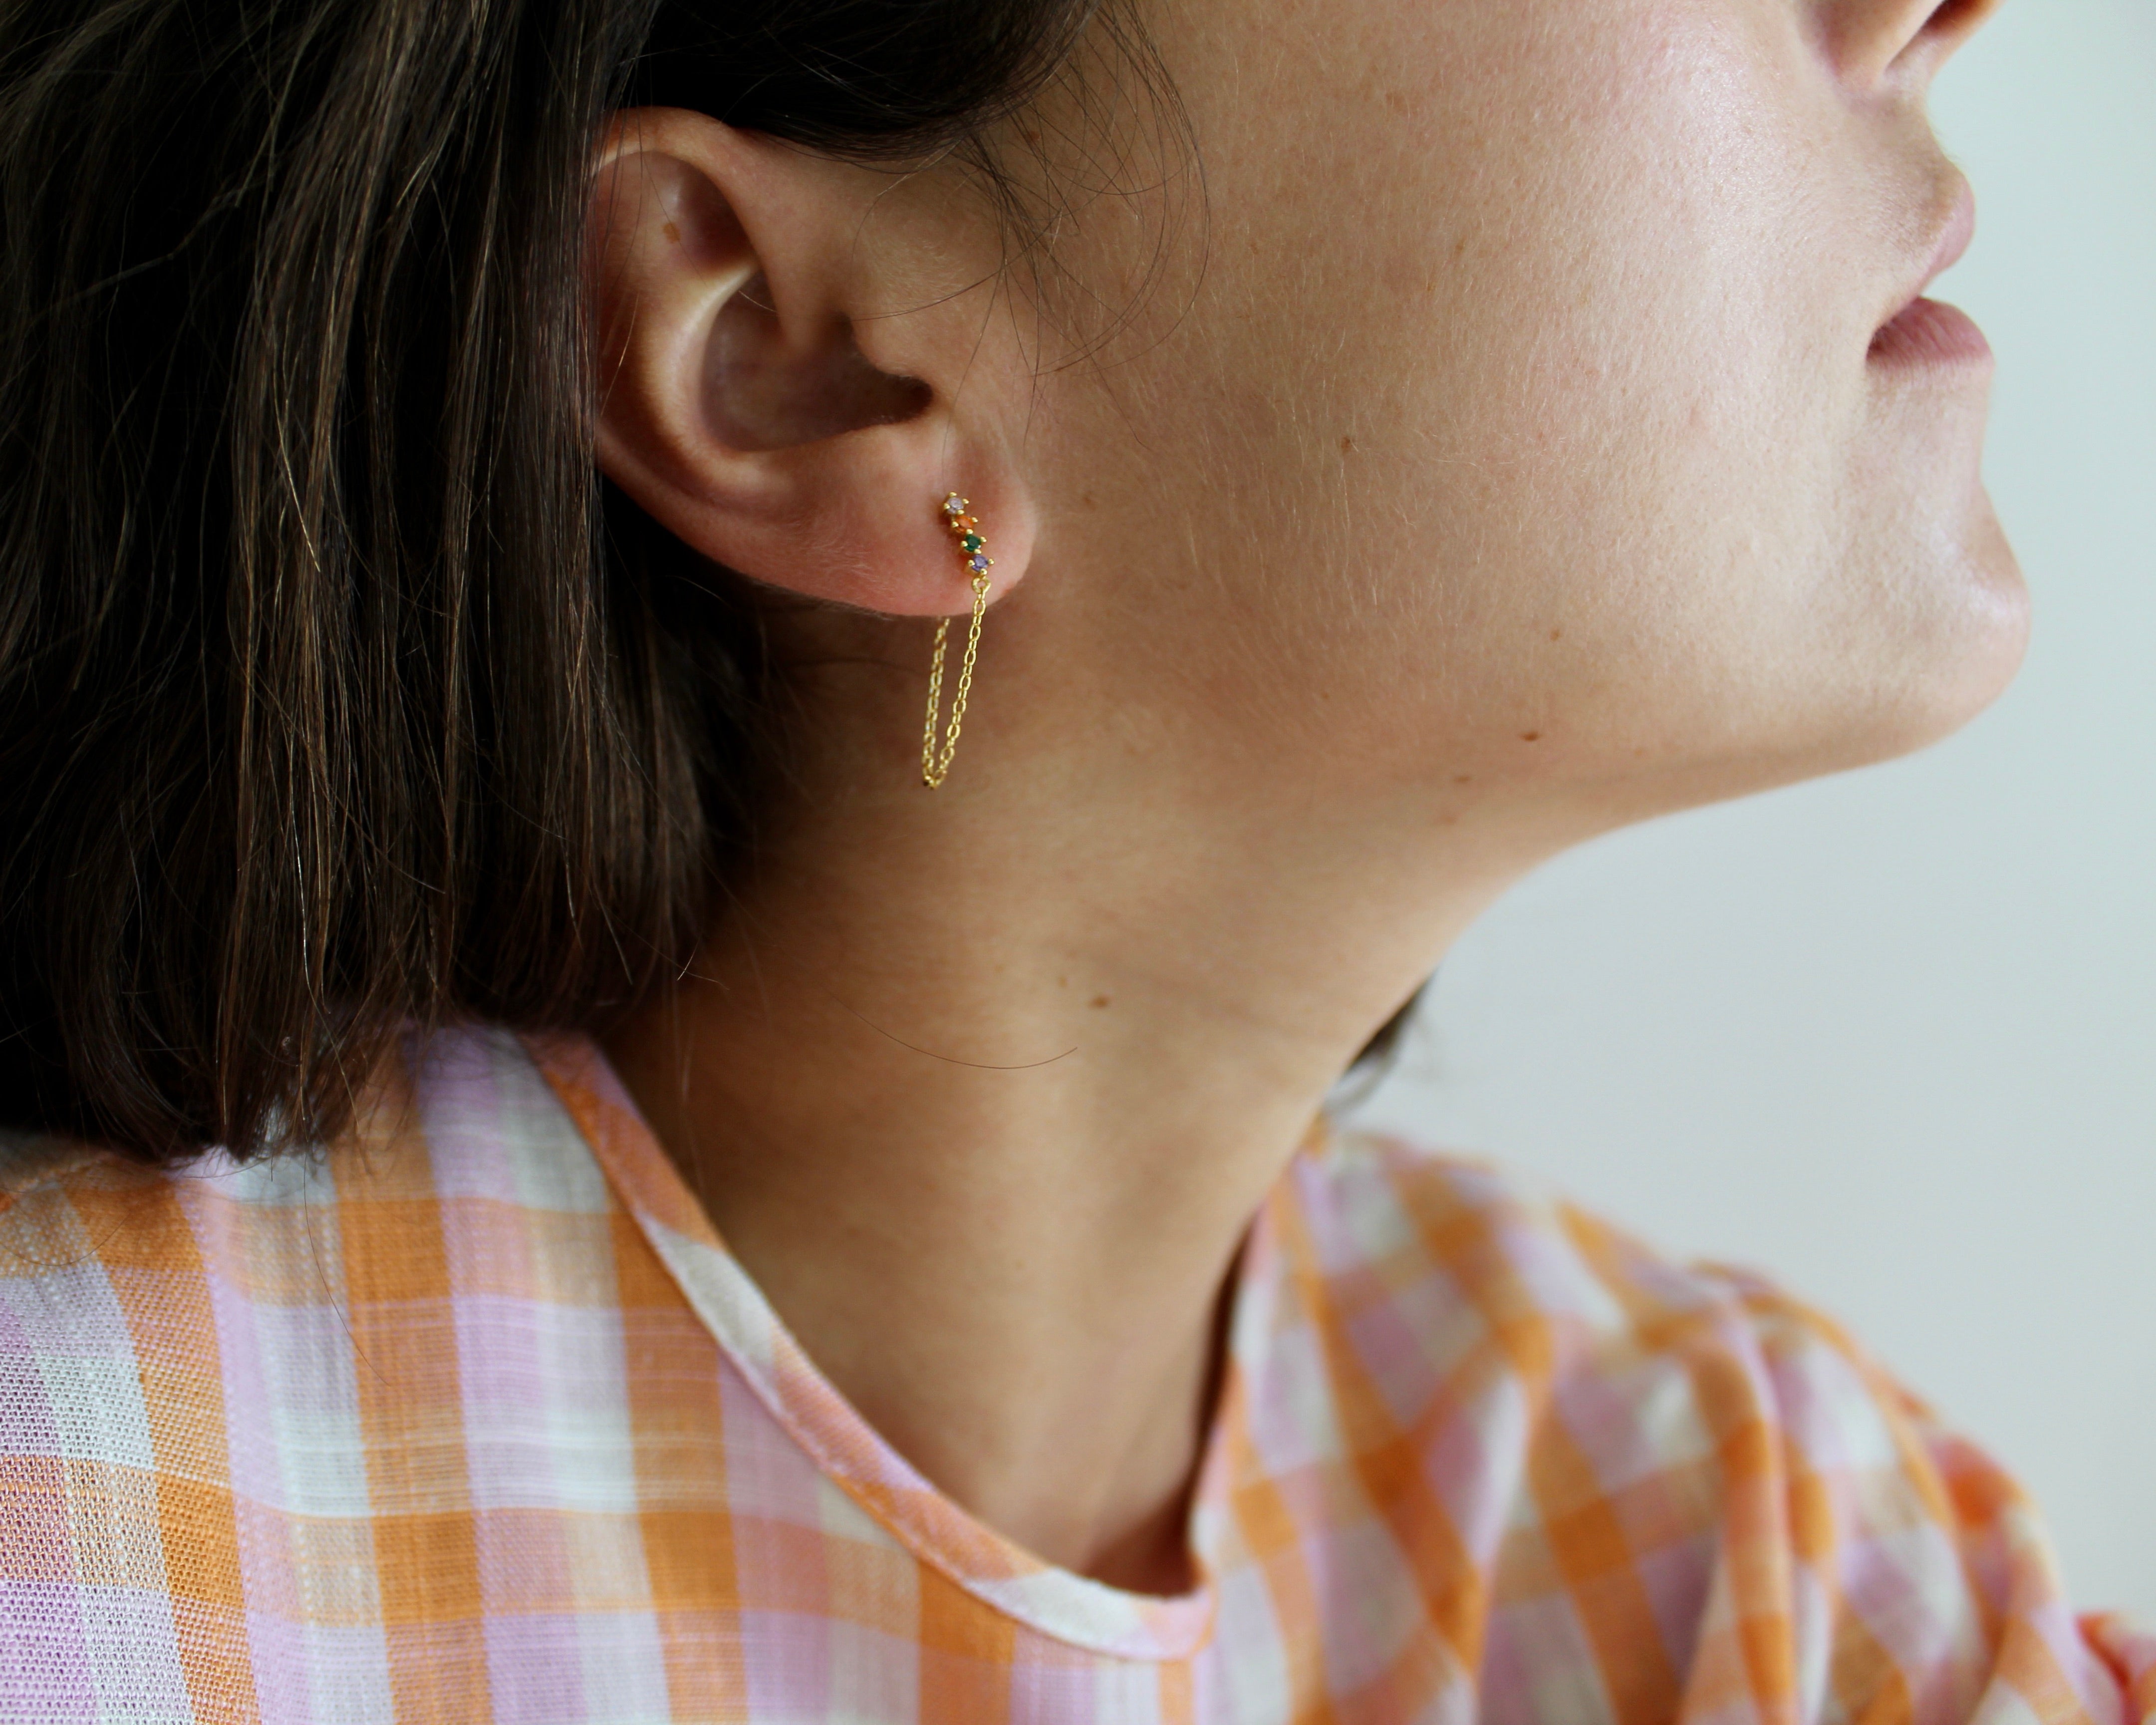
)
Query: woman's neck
[
  {"x": 1006, "y": 1261},
  {"x": 983, "y": 1089}
]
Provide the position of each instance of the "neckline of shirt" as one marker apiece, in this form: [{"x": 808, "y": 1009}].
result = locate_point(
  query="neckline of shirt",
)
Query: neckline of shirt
[{"x": 852, "y": 1456}]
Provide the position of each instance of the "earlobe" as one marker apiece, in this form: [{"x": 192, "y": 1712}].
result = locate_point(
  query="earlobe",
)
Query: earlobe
[{"x": 735, "y": 405}]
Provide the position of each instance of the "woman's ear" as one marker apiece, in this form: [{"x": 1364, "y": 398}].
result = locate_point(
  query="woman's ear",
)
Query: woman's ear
[{"x": 731, "y": 279}]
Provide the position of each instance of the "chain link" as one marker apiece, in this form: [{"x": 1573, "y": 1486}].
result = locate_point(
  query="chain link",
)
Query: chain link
[{"x": 935, "y": 763}]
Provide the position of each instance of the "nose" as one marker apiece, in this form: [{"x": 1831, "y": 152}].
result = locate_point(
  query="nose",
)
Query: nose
[{"x": 1874, "y": 42}]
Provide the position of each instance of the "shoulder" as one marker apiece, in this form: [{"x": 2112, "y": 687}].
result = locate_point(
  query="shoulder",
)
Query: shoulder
[
  {"x": 1695, "y": 1479},
  {"x": 165, "y": 1268},
  {"x": 1458, "y": 1274},
  {"x": 112, "y": 1277},
  {"x": 238, "y": 1336},
  {"x": 72, "y": 1215},
  {"x": 1508, "y": 1251}
]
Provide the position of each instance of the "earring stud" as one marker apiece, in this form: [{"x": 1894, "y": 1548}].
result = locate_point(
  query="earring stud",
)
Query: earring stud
[{"x": 966, "y": 531}]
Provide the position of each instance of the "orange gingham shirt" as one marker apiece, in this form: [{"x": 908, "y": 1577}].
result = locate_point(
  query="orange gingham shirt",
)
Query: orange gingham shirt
[{"x": 473, "y": 1418}]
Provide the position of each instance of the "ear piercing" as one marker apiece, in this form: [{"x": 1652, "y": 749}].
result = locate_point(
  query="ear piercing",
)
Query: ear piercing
[{"x": 965, "y": 530}]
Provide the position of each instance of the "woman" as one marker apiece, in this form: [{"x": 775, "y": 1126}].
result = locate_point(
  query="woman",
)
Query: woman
[{"x": 710, "y": 1227}]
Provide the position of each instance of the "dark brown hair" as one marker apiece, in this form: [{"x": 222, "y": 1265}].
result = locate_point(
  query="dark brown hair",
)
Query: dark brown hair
[
  {"x": 333, "y": 691},
  {"x": 336, "y": 691}
]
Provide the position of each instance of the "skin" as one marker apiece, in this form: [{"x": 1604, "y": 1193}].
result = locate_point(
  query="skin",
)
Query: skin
[{"x": 1517, "y": 465}]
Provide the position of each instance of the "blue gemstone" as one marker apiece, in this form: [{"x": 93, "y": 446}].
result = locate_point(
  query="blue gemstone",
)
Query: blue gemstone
[{"x": 977, "y": 562}]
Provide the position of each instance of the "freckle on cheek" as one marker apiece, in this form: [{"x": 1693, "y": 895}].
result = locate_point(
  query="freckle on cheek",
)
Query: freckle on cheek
[
  {"x": 1531, "y": 736},
  {"x": 672, "y": 232}
]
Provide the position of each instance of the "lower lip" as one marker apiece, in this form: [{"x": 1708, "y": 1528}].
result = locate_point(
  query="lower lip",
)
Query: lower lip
[{"x": 1928, "y": 332}]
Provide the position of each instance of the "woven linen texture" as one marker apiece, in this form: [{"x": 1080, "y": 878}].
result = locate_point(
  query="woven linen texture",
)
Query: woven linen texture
[{"x": 472, "y": 1418}]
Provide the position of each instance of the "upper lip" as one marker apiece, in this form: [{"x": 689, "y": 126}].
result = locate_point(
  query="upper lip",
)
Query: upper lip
[{"x": 1956, "y": 231}]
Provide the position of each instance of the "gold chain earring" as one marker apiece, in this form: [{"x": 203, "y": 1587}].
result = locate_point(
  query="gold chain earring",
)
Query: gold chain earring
[{"x": 935, "y": 763}]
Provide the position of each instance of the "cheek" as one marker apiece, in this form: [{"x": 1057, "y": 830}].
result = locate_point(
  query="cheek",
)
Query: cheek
[
  {"x": 1634, "y": 319},
  {"x": 1549, "y": 310}
]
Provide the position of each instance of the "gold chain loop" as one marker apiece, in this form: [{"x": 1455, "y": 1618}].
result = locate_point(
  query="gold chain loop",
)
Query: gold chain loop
[{"x": 935, "y": 763}]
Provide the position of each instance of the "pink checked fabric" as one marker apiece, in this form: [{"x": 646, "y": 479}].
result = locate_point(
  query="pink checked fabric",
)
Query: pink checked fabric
[{"x": 472, "y": 1418}]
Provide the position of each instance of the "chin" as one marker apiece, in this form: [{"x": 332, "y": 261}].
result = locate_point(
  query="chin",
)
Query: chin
[
  {"x": 1935, "y": 620},
  {"x": 1923, "y": 665},
  {"x": 1969, "y": 642}
]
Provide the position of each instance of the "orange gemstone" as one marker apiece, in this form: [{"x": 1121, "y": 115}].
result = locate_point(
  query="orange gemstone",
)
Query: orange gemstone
[{"x": 963, "y": 522}]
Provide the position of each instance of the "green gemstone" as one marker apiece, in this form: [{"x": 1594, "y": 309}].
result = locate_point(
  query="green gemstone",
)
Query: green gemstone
[{"x": 973, "y": 542}]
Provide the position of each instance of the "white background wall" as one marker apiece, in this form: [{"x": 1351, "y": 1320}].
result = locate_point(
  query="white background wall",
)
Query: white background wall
[{"x": 1892, "y": 1036}]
